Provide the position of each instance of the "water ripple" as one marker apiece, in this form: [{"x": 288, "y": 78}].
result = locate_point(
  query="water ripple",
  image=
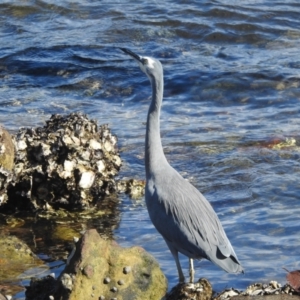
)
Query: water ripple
[{"x": 232, "y": 88}]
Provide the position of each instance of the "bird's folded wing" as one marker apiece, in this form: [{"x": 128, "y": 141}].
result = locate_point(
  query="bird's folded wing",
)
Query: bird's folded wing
[{"x": 193, "y": 221}]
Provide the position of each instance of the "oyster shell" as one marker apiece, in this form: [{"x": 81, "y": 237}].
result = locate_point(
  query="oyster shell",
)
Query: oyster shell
[{"x": 70, "y": 162}]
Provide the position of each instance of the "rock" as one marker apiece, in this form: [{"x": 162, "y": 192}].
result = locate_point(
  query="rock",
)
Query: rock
[
  {"x": 96, "y": 271},
  {"x": 267, "y": 297},
  {"x": 42, "y": 289},
  {"x": 15, "y": 259},
  {"x": 17, "y": 255},
  {"x": 7, "y": 150},
  {"x": 201, "y": 290},
  {"x": 65, "y": 164},
  {"x": 7, "y": 154},
  {"x": 6, "y": 178},
  {"x": 257, "y": 290},
  {"x": 228, "y": 294},
  {"x": 135, "y": 188},
  {"x": 2, "y": 297}
]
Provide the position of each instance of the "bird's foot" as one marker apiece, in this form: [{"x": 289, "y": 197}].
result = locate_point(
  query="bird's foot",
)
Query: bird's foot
[{"x": 192, "y": 271}]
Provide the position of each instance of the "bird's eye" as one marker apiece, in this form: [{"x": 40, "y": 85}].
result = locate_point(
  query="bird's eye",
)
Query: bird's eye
[{"x": 145, "y": 61}]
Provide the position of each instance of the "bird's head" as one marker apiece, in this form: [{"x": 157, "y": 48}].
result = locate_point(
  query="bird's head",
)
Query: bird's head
[{"x": 149, "y": 65}]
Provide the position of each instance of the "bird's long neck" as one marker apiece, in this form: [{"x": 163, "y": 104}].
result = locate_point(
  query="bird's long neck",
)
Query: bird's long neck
[{"x": 154, "y": 155}]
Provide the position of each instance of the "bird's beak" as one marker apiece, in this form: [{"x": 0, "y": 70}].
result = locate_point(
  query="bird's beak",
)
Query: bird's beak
[{"x": 135, "y": 56}]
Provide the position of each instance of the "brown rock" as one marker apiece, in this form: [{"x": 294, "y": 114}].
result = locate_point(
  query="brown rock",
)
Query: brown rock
[
  {"x": 17, "y": 255},
  {"x": 7, "y": 150},
  {"x": 96, "y": 259},
  {"x": 7, "y": 154},
  {"x": 15, "y": 258}
]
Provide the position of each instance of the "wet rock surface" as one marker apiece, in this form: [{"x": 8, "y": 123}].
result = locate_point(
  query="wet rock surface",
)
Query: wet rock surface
[
  {"x": 15, "y": 252},
  {"x": 71, "y": 162},
  {"x": 100, "y": 269},
  {"x": 15, "y": 259}
]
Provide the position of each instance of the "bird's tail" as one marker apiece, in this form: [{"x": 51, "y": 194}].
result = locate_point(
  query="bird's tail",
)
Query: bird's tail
[{"x": 229, "y": 264}]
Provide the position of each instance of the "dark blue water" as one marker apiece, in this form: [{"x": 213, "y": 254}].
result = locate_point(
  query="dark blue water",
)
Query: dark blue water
[{"x": 232, "y": 88}]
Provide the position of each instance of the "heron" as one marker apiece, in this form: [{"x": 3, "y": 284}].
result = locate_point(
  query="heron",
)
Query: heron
[{"x": 178, "y": 211}]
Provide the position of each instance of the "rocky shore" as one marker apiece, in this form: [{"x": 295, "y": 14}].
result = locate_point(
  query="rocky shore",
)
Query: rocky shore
[
  {"x": 100, "y": 269},
  {"x": 56, "y": 183}
]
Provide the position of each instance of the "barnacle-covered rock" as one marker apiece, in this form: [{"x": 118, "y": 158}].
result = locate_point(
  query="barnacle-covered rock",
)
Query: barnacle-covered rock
[
  {"x": 70, "y": 162},
  {"x": 201, "y": 290},
  {"x": 6, "y": 178},
  {"x": 135, "y": 188},
  {"x": 273, "y": 288}
]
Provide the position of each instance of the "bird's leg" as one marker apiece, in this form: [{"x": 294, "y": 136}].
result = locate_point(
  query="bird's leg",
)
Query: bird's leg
[
  {"x": 176, "y": 258},
  {"x": 180, "y": 273},
  {"x": 192, "y": 271}
]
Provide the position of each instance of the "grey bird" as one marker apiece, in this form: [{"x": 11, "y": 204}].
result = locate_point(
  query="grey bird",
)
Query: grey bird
[{"x": 179, "y": 212}]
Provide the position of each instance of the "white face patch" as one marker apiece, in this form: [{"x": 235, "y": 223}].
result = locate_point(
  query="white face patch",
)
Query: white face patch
[
  {"x": 149, "y": 65},
  {"x": 151, "y": 62}
]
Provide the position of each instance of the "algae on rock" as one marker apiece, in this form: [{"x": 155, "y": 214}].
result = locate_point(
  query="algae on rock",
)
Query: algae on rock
[{"x": 99, "y": 267}]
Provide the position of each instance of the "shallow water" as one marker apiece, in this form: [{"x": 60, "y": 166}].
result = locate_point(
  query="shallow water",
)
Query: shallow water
[{"x": 231, "y": 89}]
